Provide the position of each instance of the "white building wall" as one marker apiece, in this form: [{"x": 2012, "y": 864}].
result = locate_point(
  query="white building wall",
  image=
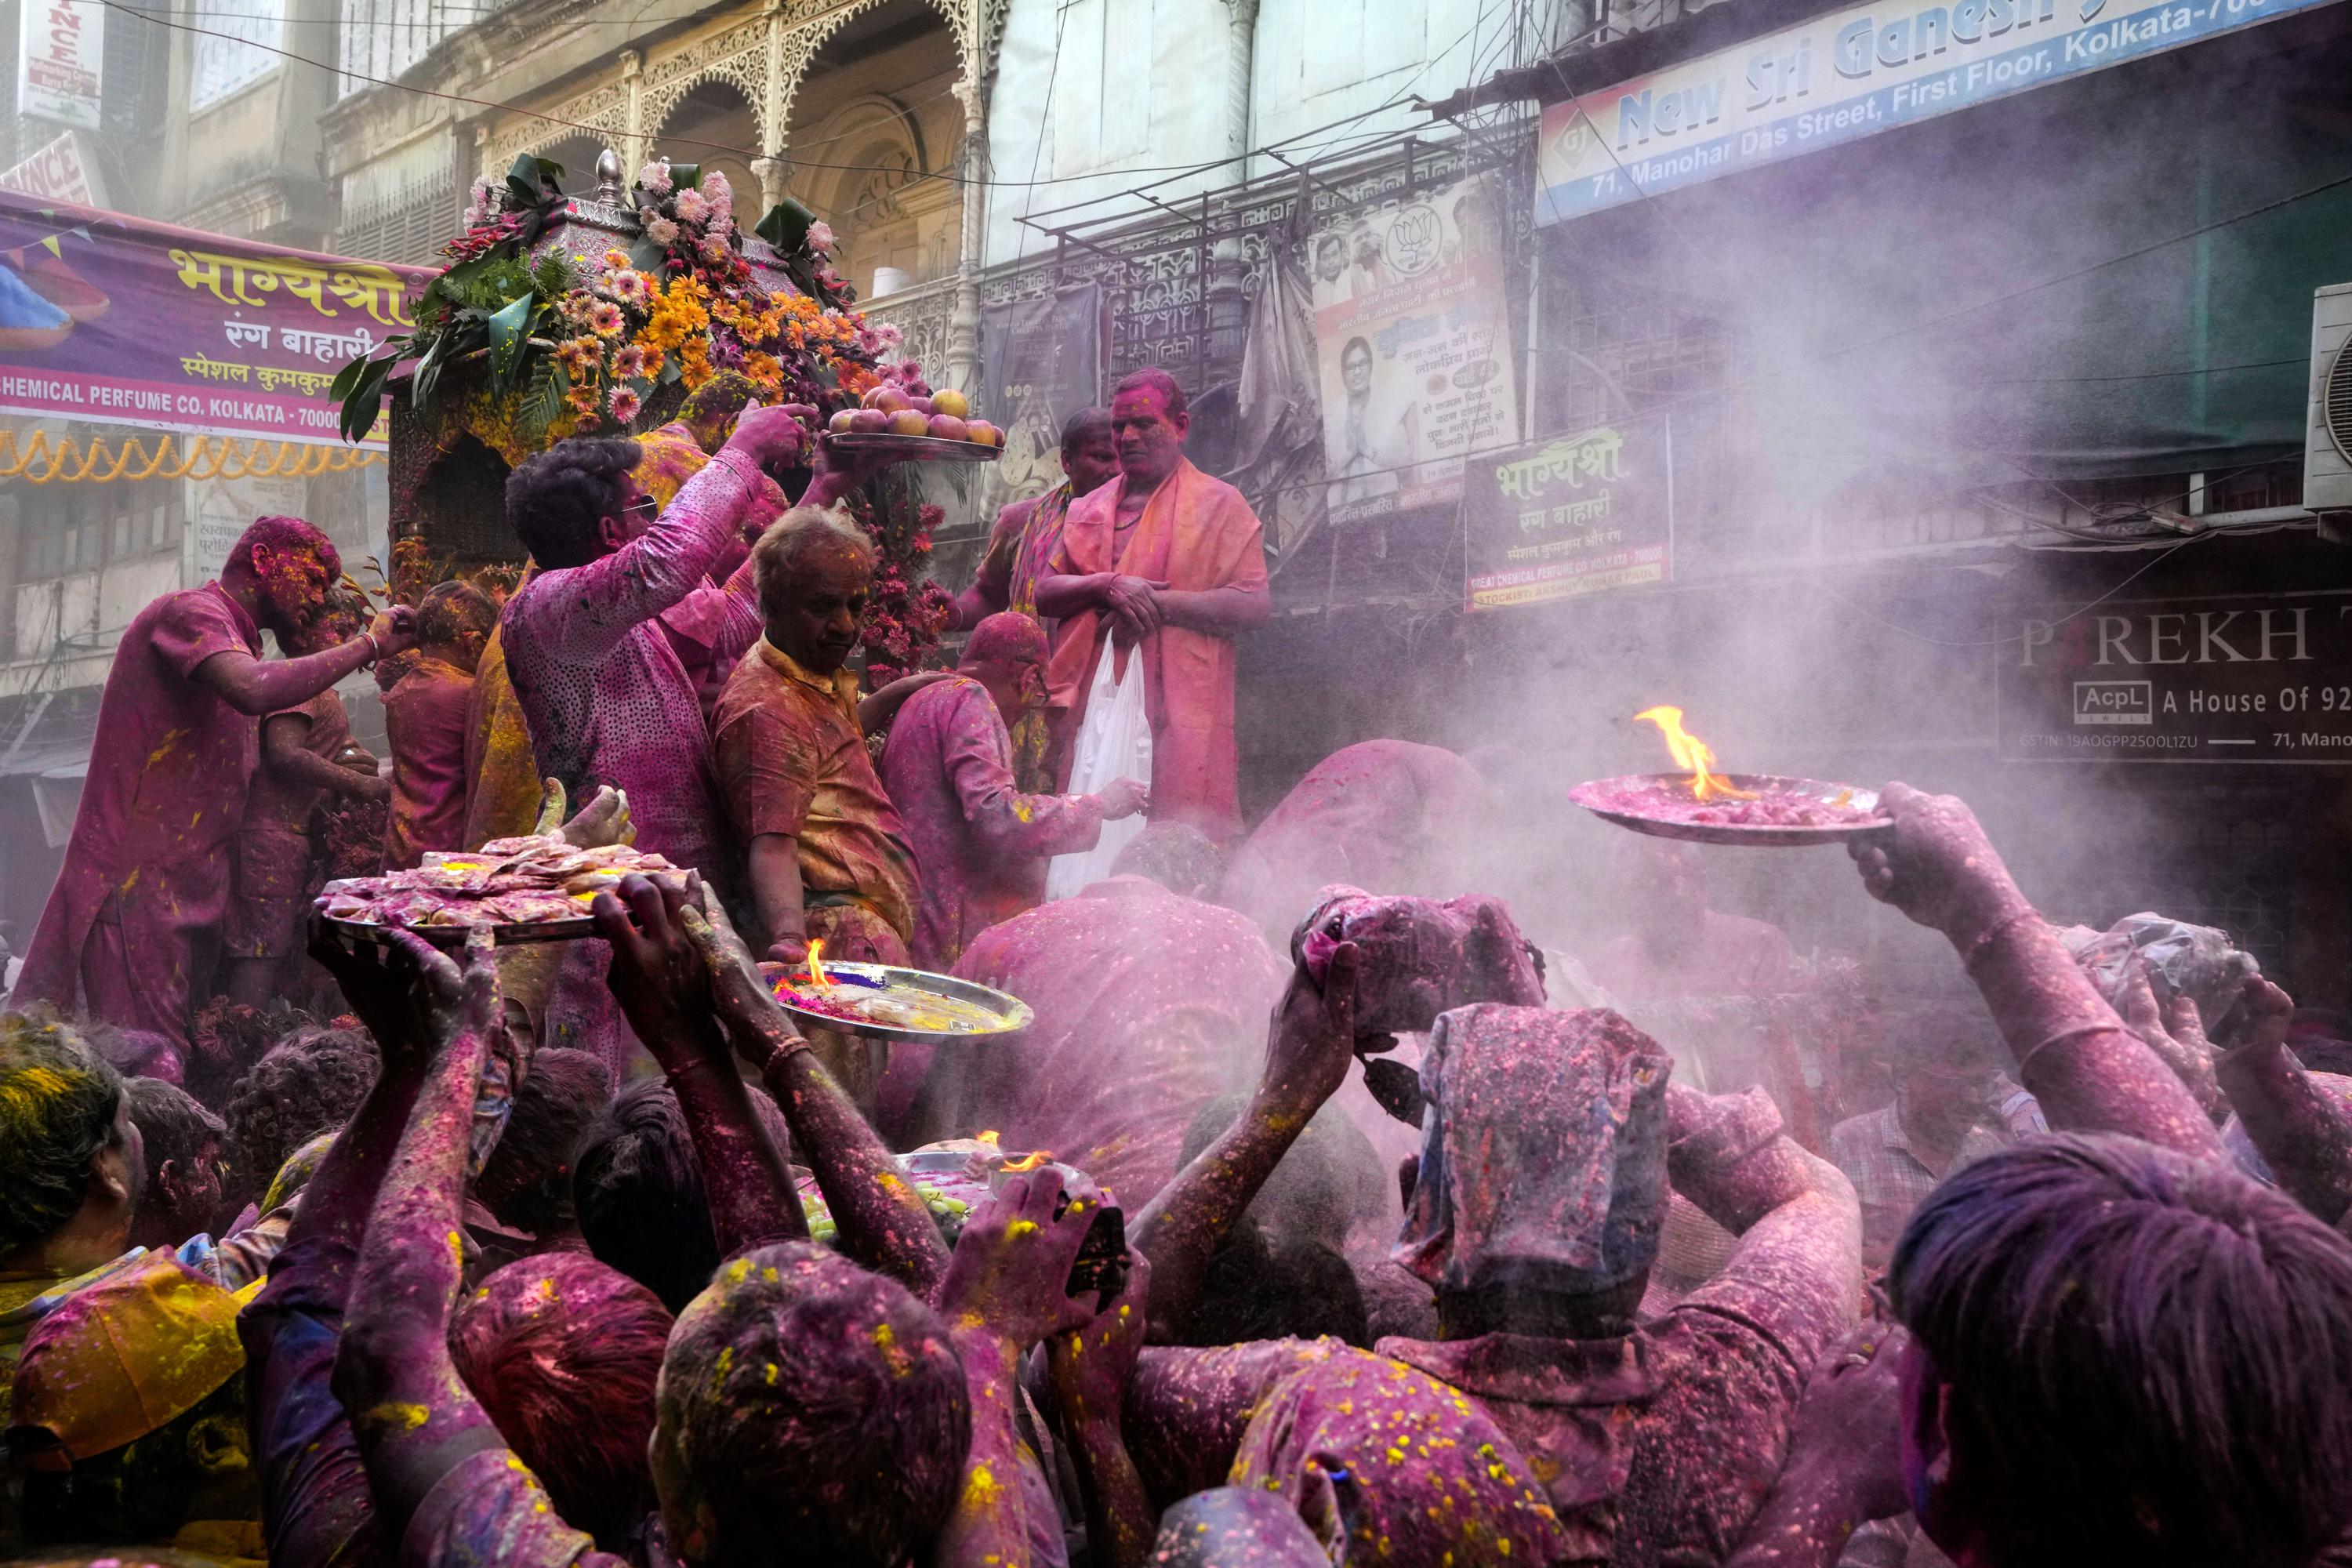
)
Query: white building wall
[
  {"x": 1141, "y": 84},
  {"x": 1323, "y": 60}
]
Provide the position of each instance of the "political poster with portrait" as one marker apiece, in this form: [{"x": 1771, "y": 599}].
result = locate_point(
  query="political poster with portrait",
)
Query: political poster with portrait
[{"x": 1412, "y": 348}]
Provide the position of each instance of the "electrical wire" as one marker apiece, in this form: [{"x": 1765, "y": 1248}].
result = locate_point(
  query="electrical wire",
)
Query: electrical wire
[{"x": 1172, "y": 171}]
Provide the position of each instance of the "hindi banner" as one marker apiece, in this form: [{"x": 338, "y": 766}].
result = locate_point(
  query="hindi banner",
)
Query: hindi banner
[
  {"x": 1412, "y": 347},
  {"x": 119, "y": 320},
  {"x": 1571, "y": 515}
]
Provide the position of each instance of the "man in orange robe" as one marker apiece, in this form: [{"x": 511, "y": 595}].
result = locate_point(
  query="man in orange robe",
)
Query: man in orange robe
[{"x": 1170, "y": 564}]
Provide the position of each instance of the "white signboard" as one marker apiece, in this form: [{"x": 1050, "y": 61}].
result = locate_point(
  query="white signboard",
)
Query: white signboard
[
  {"x": 60, "y": 59},
  {"x": 1849, "y": 74},
  {"x": 57, "y": 173},
  {"x": 220, "y": 510}
]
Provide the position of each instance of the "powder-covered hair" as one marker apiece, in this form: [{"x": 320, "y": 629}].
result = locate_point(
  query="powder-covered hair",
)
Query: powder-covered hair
[
  {"x": 777, "y": 557},
  {"x": 817, "y": 1408},
  {"x": 555, "y": 499},
  {"x": 173, "y": 1125},
  {"x": 1151, "y": 378},
  {"x": 286, "y": 535},
  {"x": 527, "y": 1181},
  {"x": 309, "y": 1082},
  {"x": 2147, "y": 1357},
  {"x": 1009, "y": 636},
  {"x": 564, "y": 1352},
  {"x": 451, "y": 611},
  {"x": 636, "y": 1188},
  {"x": 1176, "y": 855},
  {"x": 58, "y": 1104}
]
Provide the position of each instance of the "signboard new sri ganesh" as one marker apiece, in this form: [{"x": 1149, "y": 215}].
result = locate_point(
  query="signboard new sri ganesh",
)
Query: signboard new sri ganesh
[
  {"x": 169, "y": 328},
  {"x": 1845, "y": 75},
  {"x": 2231, "y": 679}
]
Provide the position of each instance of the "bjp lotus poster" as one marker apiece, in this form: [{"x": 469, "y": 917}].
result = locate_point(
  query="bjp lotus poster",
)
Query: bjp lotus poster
[{"x": 1412, "y": 349}]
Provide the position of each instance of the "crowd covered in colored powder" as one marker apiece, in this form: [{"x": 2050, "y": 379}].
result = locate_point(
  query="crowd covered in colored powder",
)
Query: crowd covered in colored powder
[{"x": 1320, "y": 1216}]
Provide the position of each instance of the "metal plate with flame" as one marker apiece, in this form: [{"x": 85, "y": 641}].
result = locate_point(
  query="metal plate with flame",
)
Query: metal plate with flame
[
  {"x": 965, "y": 1011},
  {"x": 1661, "y": 806}
]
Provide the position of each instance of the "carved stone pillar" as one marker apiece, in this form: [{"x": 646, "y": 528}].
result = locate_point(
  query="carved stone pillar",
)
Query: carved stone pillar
[
  {"x": 1241, "y": 55},
  {"x": 771, "y": 171},
  {"x": 963, "y": 324},
  {"x": 632, "y": 142}
]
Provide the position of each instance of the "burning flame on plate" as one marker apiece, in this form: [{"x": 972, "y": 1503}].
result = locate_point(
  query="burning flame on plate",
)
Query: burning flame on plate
[
  {"x": 1690, "y": 752},
  {"x": 817, "y": 963}
]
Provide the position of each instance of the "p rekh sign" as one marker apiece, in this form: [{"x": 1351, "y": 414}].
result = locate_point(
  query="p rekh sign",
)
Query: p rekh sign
[{"x": 2264, "y": 679}]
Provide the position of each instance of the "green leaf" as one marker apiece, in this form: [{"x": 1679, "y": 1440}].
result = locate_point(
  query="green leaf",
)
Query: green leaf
[
  {"x": 645, "y": 255},
  {"x": 363, "y": 398},
  {"x": 669, "y": 370},
  {"x": 347, "y": 378},
  {"x": 685, "y": 176},
  {"x": 787, "y": 227},
  {"x": 508, "y": 330},
  {"x": 542, "y": 402}
]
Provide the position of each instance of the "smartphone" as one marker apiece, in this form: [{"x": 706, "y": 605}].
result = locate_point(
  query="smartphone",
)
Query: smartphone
[{"x": 1102, "y": 1258}]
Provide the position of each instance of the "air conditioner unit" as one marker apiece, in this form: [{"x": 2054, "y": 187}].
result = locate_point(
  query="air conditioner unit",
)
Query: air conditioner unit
[{"x": 2327, "y": 443}]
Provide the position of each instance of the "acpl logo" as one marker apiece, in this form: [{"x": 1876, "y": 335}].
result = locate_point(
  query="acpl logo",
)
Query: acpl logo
[{"x": 2115, "y": 702}]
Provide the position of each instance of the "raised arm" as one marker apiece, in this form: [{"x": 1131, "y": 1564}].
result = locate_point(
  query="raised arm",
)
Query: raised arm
[
  {"x": 1005, "y": 1292},
  {"x": 261, "y": 686},
  {"x": 1311, "y": 1041},
  {"x": 665, "y": 990},
  {"x": 413, "y": 1416},
  {"x": 2303, "y": 1132},
  {"x": 583, "y": 611},
  {"x": 879, "y": 1218},
  {"x": 1091, "y": 1368},
  {"x": 2091, "y": 1073},
  {"x": 1797, "y": 1270},
  {"x": 315, "y": 1494}
]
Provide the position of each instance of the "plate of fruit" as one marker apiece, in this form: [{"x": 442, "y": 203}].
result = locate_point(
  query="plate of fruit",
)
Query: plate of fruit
[{"x": 909, "y": 421}]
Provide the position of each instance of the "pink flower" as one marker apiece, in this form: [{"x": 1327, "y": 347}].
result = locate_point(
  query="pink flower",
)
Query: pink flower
[
  {"x": 629, "y": 362},
  {"x": 718, "y": 193},
  {"x": 628, "y": 286},
  {"x": 624, "y": 405},
  {"x": 819, "y": 236},
  {"x": 579, "y": 355},
  {"x": 661, "y": 231},
  {"x": 655, "y": 177},
  {"x": 604, "y": 317},
  {"x": 714, "y": 249},
  {"x": 691, "y": 207},
  {"x": 888, "y": 336}
]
